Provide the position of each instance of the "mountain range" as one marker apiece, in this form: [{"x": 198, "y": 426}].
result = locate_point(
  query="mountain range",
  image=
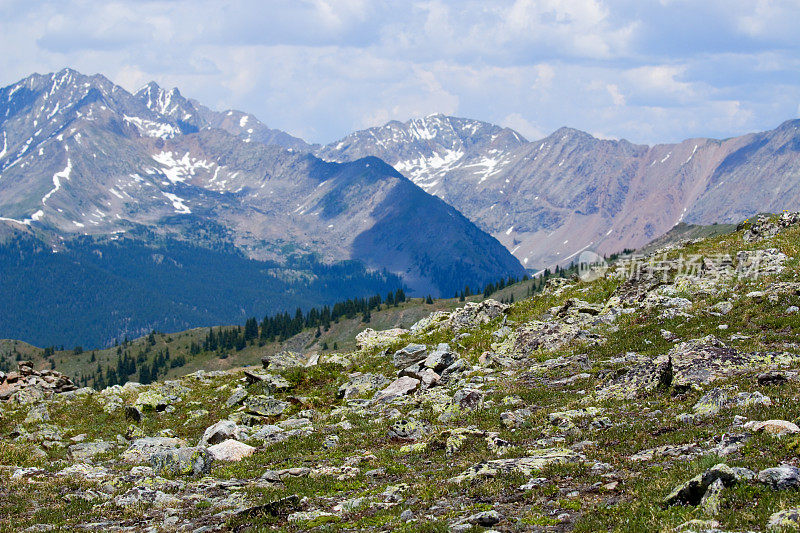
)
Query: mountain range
[
  {"x": 85, "y": 163},
  {"x": 548, "y": 200},
  {"x": 432, "y": 204}
]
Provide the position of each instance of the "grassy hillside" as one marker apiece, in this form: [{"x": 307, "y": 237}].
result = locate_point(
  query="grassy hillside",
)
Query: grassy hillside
[{"x": 661, "y": 401}]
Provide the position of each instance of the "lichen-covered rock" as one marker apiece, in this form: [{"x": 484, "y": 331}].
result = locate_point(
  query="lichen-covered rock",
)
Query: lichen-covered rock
[
  {"x": 158, "y": 397},
  {"x": 236, "y": 397},
  {"x": 410, "y": 354},
  {"x": 407, "y": 429},
  {"x": 786, "y": 520},
  {"x": 88, "y": 450},
  {"x": 274, "y": 383},
  {"x": 434, "y": 321},
  {"x": 566, "y": 419},
  {"x": 702, "y": 361},
  {"x": 152, "y": 400},
  {"x": 725, "y": 398},
  {"x": 691, "y": 365},
  {"x": 538, "y": 336},
  {"x": 370, "y": 339},
  {"x": 261, "y": 405},
  {"x": 537, "y": 460},
  {"x": 476, "y": 314},
  {"x": 640, "y": 379},
  {"x": 182, "y": 462},
  {"x": 712, "y": 499},
  {"x": 361, "y": 384},
  {"x": 670, "y": 451},
  {"x": 400, "y": 387},
  {"x": 516, "y": 418},
  {"x": 485, "y": 518},
  {"x": 222, "y": 430},
  {"x": 283, "y": 360},
  {"x": 783, "y": 477},
  {"x": 692, "y": 491},
  {"x": 140, "y": 450},
  {"x": 440, "y": 358}
]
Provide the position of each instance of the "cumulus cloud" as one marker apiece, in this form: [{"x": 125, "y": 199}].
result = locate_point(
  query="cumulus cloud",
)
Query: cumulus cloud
[{"x": 647, "y": 71}]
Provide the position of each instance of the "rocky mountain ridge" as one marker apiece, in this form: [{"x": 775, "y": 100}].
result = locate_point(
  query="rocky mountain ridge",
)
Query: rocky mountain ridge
[
  {"x": 82, "y": 156},
  {"x": 655, "y": 393},
  {"x": 550, "y": 199}
]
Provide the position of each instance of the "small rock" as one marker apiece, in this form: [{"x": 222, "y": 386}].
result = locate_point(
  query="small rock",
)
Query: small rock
[
  {"x": 283, "y": 360},
  {"x": 780, "y": 478},
  {"x": 265, "y": 405},
  {"x": 398, "y": 388},
  {"x": 231, "y": 450},
  {"x": 777, "y": 428},
  {"x": 772, "y": 378},
  {"x": 87, "y": 450},
  {"x": 405, "y": 357},
  {"x": 182, "y": 462},
  {"x": 692, "y": 491},
  {"x": 485, "y": 518},
  {"x": 141, "y": 449},
  {"x": 712, "y": 499},
  {"x": 515, "y": 419},
  {"x": 788, "y": 519},
  {"x": 406, "y": 429},
  {"x": 361, "y": 384},
  {"x": 440, "y": 358},
  {"x": 222, "y": 430},
  {"x": 236, "y": 398}
]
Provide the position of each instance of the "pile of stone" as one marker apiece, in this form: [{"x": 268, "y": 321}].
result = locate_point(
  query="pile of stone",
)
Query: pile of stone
[{"x": 46, "y": 381}]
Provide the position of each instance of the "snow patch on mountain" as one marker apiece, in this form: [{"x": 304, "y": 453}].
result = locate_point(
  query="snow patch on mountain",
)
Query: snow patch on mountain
[
  {"x": 178, "y": 170},
  {"x": 490, "y": 167},
  {"x": 429, "y": 166},
  {"x": 149, "y": 128},
  {"x": 177, "y": 203},
  {"x": 57, "y": 177}
]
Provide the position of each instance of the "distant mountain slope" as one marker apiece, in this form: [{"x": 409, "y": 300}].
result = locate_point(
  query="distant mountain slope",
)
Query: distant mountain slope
[
  {"x": 547, "y": 200},
  {"x": 96, "y": 290},
  {"x": 82, "y": 156}
]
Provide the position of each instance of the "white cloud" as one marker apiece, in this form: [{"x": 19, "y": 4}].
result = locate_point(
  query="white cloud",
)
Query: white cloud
[
  {"x": 648, "y": 71},
  {"x": 517, "y": 122}
]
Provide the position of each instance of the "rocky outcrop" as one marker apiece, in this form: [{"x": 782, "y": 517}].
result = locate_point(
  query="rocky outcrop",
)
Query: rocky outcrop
[{"x": 29, "y": 383}]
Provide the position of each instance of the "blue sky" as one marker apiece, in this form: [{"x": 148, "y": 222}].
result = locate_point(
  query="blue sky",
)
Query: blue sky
[{"x": 646, "y": 70}]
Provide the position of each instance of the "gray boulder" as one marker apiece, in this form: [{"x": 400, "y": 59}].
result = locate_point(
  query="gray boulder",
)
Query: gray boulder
[
  {"x": 693, "y": 491},
  {"x": 264, "y": 405},
  {"x": 361, "y": 384},
  {"x": 441, "y": 358},
  {"x": 283, "y": 360},
  {"x": 140, "y": 450},
  {"x": 780, "y": 478},
  {"x": 406, "y": 429},
  {"x": 405, "y": 357},
  {"x": 399, "y": 387},
  {"x": 222, "y": 431},
  {"x": 182, "y": 462}
]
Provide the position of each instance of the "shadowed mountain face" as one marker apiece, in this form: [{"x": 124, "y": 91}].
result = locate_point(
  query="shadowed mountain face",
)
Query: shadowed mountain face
[
  {"x": 83, "y": 157},
  {"x": 547, "y": 200}
]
